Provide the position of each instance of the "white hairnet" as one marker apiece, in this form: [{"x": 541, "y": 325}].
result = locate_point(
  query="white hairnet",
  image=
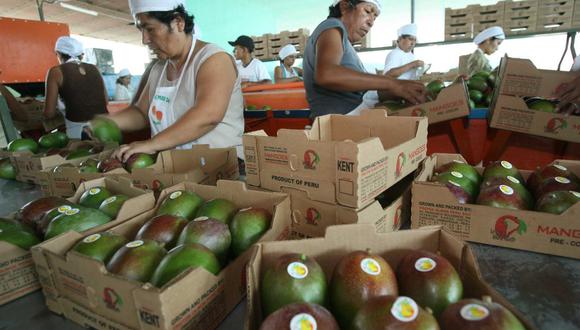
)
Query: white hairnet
[
  {"x": 144, "y": 6},
  {"x": 69, "y": 46}
]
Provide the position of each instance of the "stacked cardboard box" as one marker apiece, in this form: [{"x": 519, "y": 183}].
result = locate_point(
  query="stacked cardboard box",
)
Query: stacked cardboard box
[
  {"x": 31, "y": 116},
  {"x": 335, "y": 171},
  {"x": 17, "y": 271},
  {"x": 488, "y": 16},
  {"x": 261, "y": 46},
  {"x": 458, "y": 23},
  {"x": 554, "y": 15},
  {"x": 519, "y": 78},
  {"x": 434, "y": 204},
  {"x": 197, "y": 299},
  {"x": 520, "y": 17},
  {"x": 268, "y": 45}
]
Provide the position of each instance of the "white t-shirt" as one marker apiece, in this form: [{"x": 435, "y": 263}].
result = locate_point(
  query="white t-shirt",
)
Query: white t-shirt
[
  {"x": 576, "y": 65},
  {"x": 255, "y": 71},
  {"x": 397, "y": 58},
  {"x": 122, "y": 93}
]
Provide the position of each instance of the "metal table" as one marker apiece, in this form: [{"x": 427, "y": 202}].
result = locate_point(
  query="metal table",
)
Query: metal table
[{"x": 545, "y": 288}]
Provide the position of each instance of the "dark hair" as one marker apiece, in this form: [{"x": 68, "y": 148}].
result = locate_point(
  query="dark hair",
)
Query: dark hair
[
  {"x": 334, "y": 11},
  {"x": 167, "y": 17},
  {"x": 64, "y": 56},
  {"x": 119, "y": 81}
]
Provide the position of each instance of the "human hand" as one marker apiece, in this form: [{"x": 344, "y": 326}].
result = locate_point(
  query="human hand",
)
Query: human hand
[
  {"x": 569, "y": 96},
  {"x": 418, "y": 64},
  {"x": 126, "y": 150},
  {"x": 410, "y": 90}
]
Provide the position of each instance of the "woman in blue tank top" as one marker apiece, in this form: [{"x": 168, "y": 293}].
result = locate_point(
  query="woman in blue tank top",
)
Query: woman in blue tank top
[
  {"x": 285, "y": 73},
  {"x": 334, "y": 76}
]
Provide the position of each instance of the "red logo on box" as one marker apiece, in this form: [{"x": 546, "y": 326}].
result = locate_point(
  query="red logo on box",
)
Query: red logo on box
[
  {"x": 311, "y": 160},
  {"x": 507, "y": 226}
]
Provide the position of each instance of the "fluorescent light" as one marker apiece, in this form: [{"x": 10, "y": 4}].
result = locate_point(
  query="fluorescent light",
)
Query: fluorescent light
[{"x": 79, "y": 9}]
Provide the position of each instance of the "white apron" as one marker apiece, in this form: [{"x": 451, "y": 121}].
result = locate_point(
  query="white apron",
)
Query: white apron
[{"x": 161, "y": 114}]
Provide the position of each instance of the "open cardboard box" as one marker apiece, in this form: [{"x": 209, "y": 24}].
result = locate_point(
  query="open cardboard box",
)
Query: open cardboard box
[
  {"x": 340, "y": 240},
  {"x": 31, "y": 116},
  {"x": 346, "y": 160},
  {"x": 196, "y": 299},
  {"x": 29, "y": 166},
  {"x": 452, "y": 102},
  {"x": 200, "y": 164},
  {"x": 387, "y": 213},
  {"x": 518, "y": 78},
  {"x": 434, "y": 204},
  {"x": 18, "y": 274}
]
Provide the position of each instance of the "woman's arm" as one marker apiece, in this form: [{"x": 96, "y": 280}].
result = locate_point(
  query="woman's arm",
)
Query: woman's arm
[
  {"x": 278, "y": 76},
  {"x": 134, "y": 117},
  {"x": 300, "y": 71},
  {"x": 215, "y": 79},
  {"x": 53, "y": 81},
  {"x": 331, "y": 75},
  {"x": 396, "y": 72}
]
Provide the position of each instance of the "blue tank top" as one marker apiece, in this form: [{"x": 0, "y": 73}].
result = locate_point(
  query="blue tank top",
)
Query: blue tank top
[{"x": 324, "y": 101}]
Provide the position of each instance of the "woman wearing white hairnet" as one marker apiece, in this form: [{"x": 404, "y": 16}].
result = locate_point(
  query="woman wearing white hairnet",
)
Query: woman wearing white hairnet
[
  {"x": 487, "y": 42},
  {"x": 123, "y": 91},
  {"x": 192, "y": 95},
  {"x": 79, "y": 85},
  {"x": 401, "y": 62},
  {"x": 285, "y": 72},
  {"x": 335, "y": 78}
]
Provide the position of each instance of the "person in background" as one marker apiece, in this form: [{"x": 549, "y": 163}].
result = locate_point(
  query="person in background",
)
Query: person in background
[
  {"x": 192, "y": 94},
  {"x": 79, "y": 85},
  {"x": 335, "y": 79},
  {"x": 252, "y": 71},
  {"x": 123, "y": 90},
  {"x": 401, "y": 62},
  {"x": 487, "y": 42},
  {"x": 285, "y": 72},
  {"x": 569, "y": 94}
]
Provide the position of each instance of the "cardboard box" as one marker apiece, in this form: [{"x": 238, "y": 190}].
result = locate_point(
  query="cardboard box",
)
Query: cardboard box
[
  {"x": 31, "y": 117},
  {"x": 346, "y": 160},
  {"x": 452, "y": 102},
  {"x": 195, "y": 300},
  {"x": 340, "y": 240},
  {"x": 434, "y": 204},
  {"x": 18, "y": 275},
  {"x": 200, "y": 164},
  {"x": 518, "y": 78},
  {"x": 29, "y": 166},
  {"x": 387, "y": 213}
]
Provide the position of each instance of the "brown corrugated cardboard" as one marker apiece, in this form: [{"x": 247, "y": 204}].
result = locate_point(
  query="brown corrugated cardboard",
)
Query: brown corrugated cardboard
[
  {"x": 519, "y": 78},
  {"x": 18, "y": 274},
  {"x": 195, "y": 300},
  {"x": 452, "y": 102},
  {"x": 433, "y": 204},
  {"x": 387, "y": 213},
  {"x": 29, "y": 166},
  {"x": 340, "y": 240},
  {"x": 199, "y": 164},
  {"x": 347, "y": 160}
]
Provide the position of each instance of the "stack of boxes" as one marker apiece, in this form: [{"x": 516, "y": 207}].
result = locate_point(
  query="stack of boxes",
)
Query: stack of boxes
[
  {"x": 268, "y": 45},
  {"x": 515, "y": 17},
  {"x": 346, "y": 169}
]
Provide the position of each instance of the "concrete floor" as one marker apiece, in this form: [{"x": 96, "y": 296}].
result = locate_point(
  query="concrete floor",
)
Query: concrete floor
[{"x": 546, "y": 289}]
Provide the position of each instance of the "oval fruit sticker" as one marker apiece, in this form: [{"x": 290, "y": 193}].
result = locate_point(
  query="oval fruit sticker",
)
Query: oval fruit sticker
[
  {"x": 425, "y": 264},
  {"x": 303, "y": 321},
  {"x": 405, "y": 309},
  {"x": 297, "y": 270},
  {"x": 575, "y": 193},
  {"x": 94, "y": 191},
  {"x": 454, "y": 183},
  {"x": 457, "y": 174},
  {"x": 72, "y": 211},
  {"x": 458, "y": 161},
  {"x": 134, "y": 244},
  {"x": 92, "y": 238},
  {"x": 506, "y": 164},
  {"x": 109, "y": 200},
  {"x": 562, "y": 179},
  {"x": 512, "y": 179},
  {"x": 507, "y": 190},
  {"x": 200, "y": 219},
  {"x": 474, "y": 312},
  {"x": 246, "y": 209},
  {"x": 560, "y": 167},
  {"x": 175, "y": 194},
  {"x": 370, "y": 266},
  {"x": 64, "y": 208}
]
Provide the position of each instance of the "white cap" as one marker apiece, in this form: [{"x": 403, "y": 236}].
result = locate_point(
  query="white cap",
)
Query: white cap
[
  {"x": 144, "y": 6},
  {"x": 287, "y": 51},
  {"x": 69, "y": 46},
  {"x": 409, "y": 29},
  {"x": 123, "y": 73},
  {"x": 375, "y": 2},
  {"x": 494, "y": 31},
  {"x": 576, "y": 66}
]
